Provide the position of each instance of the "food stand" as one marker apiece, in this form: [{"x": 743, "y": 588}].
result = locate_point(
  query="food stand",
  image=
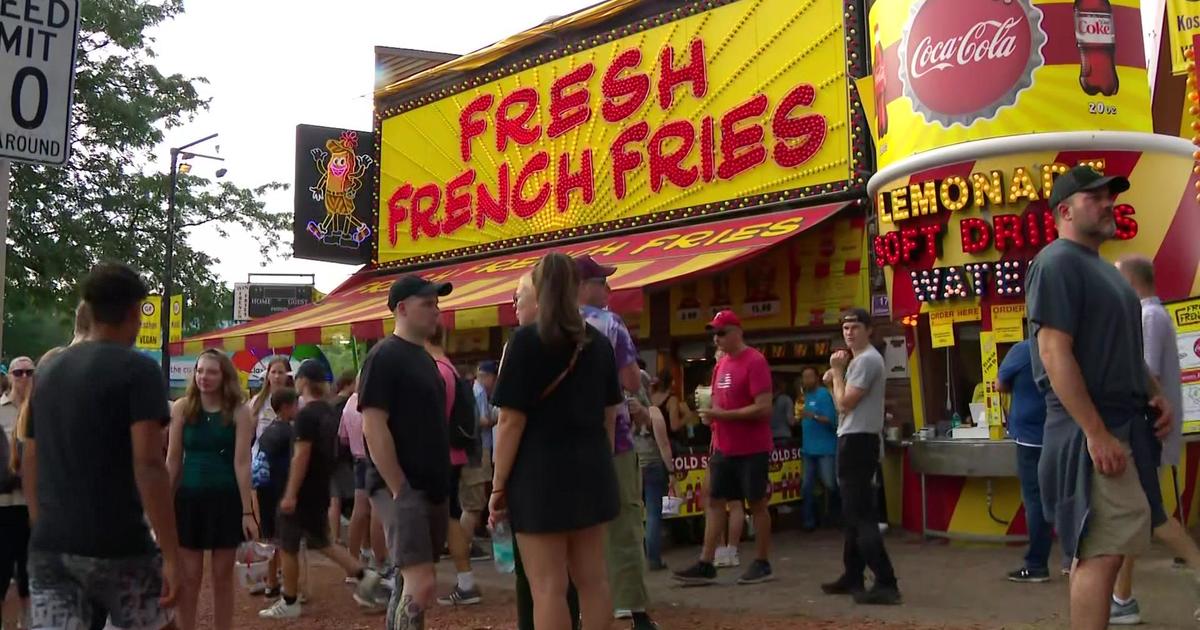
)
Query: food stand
[
  {"x": 715, "y": 152},
  {"x": 978, "y": 106}
]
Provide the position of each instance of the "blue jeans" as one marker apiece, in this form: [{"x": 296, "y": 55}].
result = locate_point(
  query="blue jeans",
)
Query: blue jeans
[
  {"x": 817, "y": 466},
  {"x": 654, "y": 488},
  {"x": 1038, "y": 556}
]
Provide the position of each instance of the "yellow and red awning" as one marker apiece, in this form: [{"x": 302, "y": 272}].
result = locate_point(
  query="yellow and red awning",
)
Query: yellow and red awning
[{"x": 483, "y": 289}]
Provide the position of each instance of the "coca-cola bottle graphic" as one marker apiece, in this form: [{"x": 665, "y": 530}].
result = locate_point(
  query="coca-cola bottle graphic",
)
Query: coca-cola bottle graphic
[
  {"x": 1096, "y": 36},
  {"x": 881, "y": 121}
]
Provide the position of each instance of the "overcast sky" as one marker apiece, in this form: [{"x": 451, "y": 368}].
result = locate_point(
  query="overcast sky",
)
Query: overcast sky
[{"x": 273, "y": 64}]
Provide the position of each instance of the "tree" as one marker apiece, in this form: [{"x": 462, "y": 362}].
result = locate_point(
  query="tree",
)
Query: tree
[{"x": 108, "y": 202}]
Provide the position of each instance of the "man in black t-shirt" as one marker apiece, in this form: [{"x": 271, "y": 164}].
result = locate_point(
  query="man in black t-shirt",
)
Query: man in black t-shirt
[
  {"x": 302, "y": 509},
  {"x": 403, "y": 402},
  {"x": 94, "y": 472}
]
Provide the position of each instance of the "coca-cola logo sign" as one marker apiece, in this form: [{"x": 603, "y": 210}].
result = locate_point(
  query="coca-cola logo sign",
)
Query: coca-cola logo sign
[{"x": 963, "y": 60}]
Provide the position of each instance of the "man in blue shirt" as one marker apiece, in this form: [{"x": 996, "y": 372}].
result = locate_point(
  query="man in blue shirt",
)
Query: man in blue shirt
[
  {"x": 1026, "y": 421},
  {"x": 818, "y": 427}
]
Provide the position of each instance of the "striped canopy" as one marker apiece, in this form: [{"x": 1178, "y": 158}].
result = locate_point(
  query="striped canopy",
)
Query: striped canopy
[{"x": 483, "y": 289}]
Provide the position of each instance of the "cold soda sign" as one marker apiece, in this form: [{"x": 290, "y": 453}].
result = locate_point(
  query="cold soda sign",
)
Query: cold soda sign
[
  {"x": 951, "y": 71},
  {"x": 37, "y": 77}
]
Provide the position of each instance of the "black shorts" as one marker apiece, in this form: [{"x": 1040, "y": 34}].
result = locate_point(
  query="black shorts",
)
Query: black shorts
[
  {"x": 360, "y": 474},
  {"x": 268, "y": 511},
  {"x": 740, "y": 477},
  {"x": 310, "y": 525}
]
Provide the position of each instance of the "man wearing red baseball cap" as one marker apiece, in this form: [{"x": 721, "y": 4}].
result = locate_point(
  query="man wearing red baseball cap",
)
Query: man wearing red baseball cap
[{"x": 738, "y": 466}]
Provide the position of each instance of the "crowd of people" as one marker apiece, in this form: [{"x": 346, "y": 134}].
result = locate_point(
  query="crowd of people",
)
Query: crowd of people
[{"x": 567, "y": 439}]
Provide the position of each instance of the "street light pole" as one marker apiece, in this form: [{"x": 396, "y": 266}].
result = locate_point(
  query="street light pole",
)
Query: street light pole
[{"x": 169, "y": 260}]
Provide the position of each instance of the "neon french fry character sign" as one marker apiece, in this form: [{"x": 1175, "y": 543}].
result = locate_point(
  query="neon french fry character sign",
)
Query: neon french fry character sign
[{"x": 333, "y": 178}]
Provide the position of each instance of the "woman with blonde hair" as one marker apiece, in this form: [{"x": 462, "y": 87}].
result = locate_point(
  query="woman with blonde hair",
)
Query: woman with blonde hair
[
  {"x": 558, "y": 396},
  {"x": 208, "y": 457},
  {"x": 279, "y": 370}
]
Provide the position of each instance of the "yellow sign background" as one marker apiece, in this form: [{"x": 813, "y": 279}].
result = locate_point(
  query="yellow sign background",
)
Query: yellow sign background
[
  {"x": 1054, "y": 101},
  {"x": 1183, "y": 22},
  {"x": 176, "y": 318},
  {"x": 751, "y": 47},
  {"x": 150, "y": 335}
]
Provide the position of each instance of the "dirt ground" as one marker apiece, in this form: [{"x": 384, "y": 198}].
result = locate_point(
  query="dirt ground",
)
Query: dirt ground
[{"x": 945, "y": 587}]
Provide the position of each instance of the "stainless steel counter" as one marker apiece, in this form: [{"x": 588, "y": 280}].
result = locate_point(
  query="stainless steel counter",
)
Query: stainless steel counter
[
  {"x": 984, "y": 458},
  {"x": 964, "y": 458}
]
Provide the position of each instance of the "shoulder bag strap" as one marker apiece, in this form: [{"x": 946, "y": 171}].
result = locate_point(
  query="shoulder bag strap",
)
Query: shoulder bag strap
[{"x": 557, "y": 381}]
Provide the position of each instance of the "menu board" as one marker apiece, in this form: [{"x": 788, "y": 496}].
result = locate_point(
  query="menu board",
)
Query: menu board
[{"x": 1186, "y": 317}]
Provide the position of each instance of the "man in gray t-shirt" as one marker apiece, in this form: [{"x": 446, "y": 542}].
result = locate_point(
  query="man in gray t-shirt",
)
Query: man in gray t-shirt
[
  {"x": 865, "y": 372},
  {"x": 857, "y": 387},
  {"x": 1086, "y": 346}
]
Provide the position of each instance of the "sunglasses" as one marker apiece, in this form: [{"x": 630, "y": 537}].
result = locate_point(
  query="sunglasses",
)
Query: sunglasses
[
  {"x": 721, "y": 332},
  {"x": 22, "y": 373}
]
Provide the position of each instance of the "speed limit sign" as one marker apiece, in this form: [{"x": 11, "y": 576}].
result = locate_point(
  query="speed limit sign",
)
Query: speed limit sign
[{"x": 37, "y": 77}]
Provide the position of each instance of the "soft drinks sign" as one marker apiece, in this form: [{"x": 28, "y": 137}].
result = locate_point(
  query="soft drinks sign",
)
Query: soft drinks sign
[{"x": 951, "y": 71}]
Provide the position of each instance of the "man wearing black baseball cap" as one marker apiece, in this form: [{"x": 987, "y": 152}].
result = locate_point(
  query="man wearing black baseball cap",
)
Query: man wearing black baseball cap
[
  {"x": 1086, "y": 337},
  {"x": 403, "y": 402},
  {"x": 858, "y": 384}
]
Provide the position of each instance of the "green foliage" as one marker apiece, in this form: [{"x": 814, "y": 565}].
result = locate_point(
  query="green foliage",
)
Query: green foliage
[{"x": 109, "y": 202}]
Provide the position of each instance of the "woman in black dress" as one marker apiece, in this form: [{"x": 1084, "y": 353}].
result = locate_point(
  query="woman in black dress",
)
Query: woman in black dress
[{"x": 554, "y": 479}]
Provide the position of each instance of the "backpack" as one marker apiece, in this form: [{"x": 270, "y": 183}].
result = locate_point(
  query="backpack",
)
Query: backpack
[
  {"x": 464, "y": 419},
  {"x": 9, "y": 481},
  {"x": 260, "y": 470}
]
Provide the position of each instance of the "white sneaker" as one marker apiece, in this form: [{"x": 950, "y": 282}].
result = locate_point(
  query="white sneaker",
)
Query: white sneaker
[
  {"x": 370, "y": 592},
  {"x": 622, "y": 613},
  {"x": 883, "y": 528},
  {"x": 281, "y": 610}
]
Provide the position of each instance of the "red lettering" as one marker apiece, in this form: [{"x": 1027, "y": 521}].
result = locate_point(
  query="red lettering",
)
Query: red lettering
[
  {"x": 493, "y": 208},
  {"x": 891, "y": 247},
  {"x": 1127, "y": 227},
  {"x": 1049, "y": 229},
  {"x": 569, "y": 107},
  {"x": 671, "y": 77},
  {"x": 669, "y": 165},
  {"x": 458, "y": 202},
  {"x": 397, "y": 212},
  {"x": 470, "y": 126},
  {"x": 809, "y": 129},
  {"x": 910, "y": 242},
  {"x": 515, "y": 128},
  {"x": 624, "y": 161},
  {"x": 707, "y": 149},
  {"x": 976, "y": 235},
  {"x": 932, "y": 234},
  {"x": 879, "y": 245},
  {"x": 1033, "y": 228},
  {"x": 422, "y": 218},
  {"x": 733, "y": 140},
  {"x": 624, "y": 95},
  {"x": 583, "y": 179},
  {"x": 1006, "y": 232},
  {"x": 522, "y": 206}
]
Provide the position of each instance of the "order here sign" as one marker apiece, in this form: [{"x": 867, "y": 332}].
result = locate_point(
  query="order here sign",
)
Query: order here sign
[{"x": 37, "y": 76}]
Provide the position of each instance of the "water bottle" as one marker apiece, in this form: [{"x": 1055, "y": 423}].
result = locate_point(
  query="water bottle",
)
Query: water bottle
[{"x": 502, "y": 548}]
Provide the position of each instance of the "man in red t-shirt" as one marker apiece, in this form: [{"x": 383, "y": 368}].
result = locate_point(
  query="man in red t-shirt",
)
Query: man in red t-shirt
[{"x": 737, "y": 468}]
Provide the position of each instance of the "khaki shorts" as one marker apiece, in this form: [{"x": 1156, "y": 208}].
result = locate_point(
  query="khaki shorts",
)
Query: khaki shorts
[
  {"x": 472, "y": 485},
  {"x": 1118, "y": 522}
]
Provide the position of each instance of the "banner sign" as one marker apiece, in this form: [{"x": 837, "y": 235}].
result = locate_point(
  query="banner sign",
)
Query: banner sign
[
  {"x": 951, "y": 71},
  {"x": 715, "y": 110},
  {"x": 333, "y": 216},
  {"x": 1183, "y": 24},
  {"x": 150, "y": 335},
  {"x": 786, "y": 471},
  {"x": 176, "y": 318},
  {"x": 1186, "y": 318},
  {"x": 966, "y": 232}
]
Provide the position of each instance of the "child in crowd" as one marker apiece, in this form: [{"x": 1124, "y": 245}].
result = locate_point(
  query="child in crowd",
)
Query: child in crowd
[{"x": 270, "y": 472}]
